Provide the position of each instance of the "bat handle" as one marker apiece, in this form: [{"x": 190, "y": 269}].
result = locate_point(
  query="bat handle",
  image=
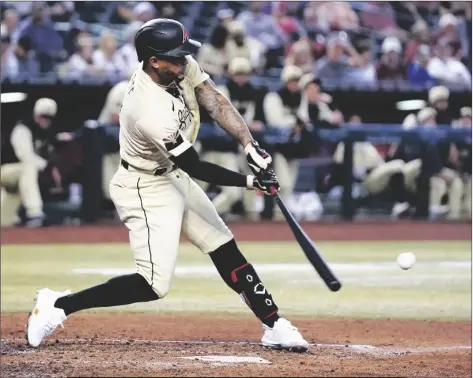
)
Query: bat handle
[{"x": 273, "y": 190}]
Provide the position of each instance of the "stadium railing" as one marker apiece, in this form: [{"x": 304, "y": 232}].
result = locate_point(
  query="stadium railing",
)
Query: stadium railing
[{"x": 374, "y": 133}]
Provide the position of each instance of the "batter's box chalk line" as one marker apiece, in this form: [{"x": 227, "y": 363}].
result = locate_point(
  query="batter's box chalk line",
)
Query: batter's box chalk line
[
  {"x": 357, "y": 348},
  {"x": 228, "y": 359}
]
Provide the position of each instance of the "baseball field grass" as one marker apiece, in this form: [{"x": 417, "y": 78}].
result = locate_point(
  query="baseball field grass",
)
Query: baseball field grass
[{"x": 437, "y": 287}]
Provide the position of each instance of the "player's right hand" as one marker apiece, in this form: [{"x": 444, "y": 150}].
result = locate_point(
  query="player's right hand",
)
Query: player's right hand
[
  {"x": 258, "y": 159},
  {"x": 265, "y": 181}
]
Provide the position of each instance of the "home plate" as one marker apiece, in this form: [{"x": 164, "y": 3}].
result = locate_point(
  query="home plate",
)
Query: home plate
[{"x": 229, "y": 359}]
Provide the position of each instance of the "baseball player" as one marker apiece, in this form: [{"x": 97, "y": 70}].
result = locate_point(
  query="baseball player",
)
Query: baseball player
[
  {"x": 155, "y": 194},
  {"x": 23, "y": 158}
]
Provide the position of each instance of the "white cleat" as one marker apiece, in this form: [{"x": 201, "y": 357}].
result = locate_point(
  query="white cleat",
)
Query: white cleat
[
  {"x": 44, "y": 318},
  {"x": 399, "y": 209},
  {"x": 284, "y": 336}
]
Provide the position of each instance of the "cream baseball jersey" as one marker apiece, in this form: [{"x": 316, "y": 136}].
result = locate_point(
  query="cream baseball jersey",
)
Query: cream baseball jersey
[{"x": 151, "y": 117}]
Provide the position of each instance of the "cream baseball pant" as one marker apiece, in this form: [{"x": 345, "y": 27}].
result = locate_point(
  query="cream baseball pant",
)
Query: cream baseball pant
[
  {"x": 19, "y": 182},
  {"x": 378, "y": 179},
  {"x": 438, "y": 187},
  {"x": 155, "y": 209},
  {"x": 110, "y": 164},
  {"x": 224, "y": 201}
]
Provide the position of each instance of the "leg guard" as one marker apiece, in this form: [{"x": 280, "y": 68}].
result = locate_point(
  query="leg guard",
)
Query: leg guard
[
  {"x": 253, "y": 291},
  {"x": 241, "y": 277}
]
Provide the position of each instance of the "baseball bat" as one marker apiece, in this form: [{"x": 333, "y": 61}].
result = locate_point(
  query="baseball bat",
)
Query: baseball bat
[{"x": 309, "y": 248}]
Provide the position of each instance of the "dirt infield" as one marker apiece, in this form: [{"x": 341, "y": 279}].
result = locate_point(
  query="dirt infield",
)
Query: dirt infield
[
  {"x": 401, "y": 230},
  {"x": 174, "y": 345},
  {"x": 136, "y": 345}
]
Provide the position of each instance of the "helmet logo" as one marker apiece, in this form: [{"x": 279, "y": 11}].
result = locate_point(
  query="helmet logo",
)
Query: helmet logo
[{"x": 185, "y": 35}]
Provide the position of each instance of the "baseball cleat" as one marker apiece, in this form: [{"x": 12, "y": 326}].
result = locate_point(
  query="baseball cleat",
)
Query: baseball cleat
[
  {"x": 44, "y": 318},
  {"x": 400, "y": 209},
  {"x": 284, "y": 336}
]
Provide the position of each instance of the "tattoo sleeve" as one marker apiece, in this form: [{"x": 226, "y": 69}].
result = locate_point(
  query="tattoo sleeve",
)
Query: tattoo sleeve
[{"x": 222, "y": 111}]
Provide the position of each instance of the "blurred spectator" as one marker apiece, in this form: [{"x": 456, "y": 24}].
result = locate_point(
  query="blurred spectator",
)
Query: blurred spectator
[
  {"x": 463, "y": 163},
  {"x": 449, "y": 34},
  {"x": 411, "y": 154},
  {"x": 420, "y": 37},
  {"x": 262, "y": 27},
  {"x": 109, "y": 118},
  {"x": 212, "y": 57},
  {"x": 106, "y": 59},
  {"x": 373, "y": 172},
  {"x": 129, "y": 11},
  {"x": 447, "y": 181},
  {"x": 447, "y": 69},
  {"x": 226, "y": 152},
  {"x": 225, "y": 16},
  {"x": 327, "y": 15},
  {"x": 10, "y": 25},
  {"x": 42, "y": 38},
  {"x": 62, "y": 11},
  {"x": 241, "y": 46},
  {"x": 23, "y": 158},
  {"x": 315, "y": 104},
  {"x": 127, "y": 52},
  {"x": 364, "y": 74},
  {"x": 380, "y": 16},
  {"x": 301, "y": 55},
  {"x": 94, "y": 11},
  {"x": 340, "y": 56},
  {"x": 438, "y": 99},
  {"x": 144, "y": 11},
  {"x": 427, "y": 117},
  {"x": 288, "y": 24},
  {"x": 281, "y": 107},
  {"x": 281, "y": 110},
  {"x": 80, "y": 62},
  {"x": 465, "y": 118},
  {"x": 23, "y": 8},
  {"x": 417, "y": 73},
  {"x": 9, "y": 66},
  {"x": 391, "y": 65},
  {"x": 242, "y": 94}
]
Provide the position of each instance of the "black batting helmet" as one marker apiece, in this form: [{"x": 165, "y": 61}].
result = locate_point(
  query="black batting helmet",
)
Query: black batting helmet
[{"x": 163, "y": 37}]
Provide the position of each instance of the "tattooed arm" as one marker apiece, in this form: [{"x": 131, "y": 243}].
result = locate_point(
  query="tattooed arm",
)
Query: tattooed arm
[{"x": 222, "y": 111}]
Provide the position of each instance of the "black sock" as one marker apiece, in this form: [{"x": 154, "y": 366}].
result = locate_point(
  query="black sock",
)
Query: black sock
[
  {"x": 118, "y": 291},
  {"x": 241, "y": 277}
]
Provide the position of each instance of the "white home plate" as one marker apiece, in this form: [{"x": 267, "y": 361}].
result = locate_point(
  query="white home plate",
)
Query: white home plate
[{"x": 229, "y": 359}]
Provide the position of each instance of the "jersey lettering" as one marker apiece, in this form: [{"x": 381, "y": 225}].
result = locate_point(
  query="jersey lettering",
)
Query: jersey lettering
[{"x": 184, "y": 118}]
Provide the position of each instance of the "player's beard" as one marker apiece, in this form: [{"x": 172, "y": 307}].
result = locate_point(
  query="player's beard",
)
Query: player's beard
[{"x": 166, "y": 76}]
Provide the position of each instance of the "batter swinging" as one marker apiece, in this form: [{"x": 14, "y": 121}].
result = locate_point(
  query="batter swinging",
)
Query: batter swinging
[{"x": 155, "y": 195}]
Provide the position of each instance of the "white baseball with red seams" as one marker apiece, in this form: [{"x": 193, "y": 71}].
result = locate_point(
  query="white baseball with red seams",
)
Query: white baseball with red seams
[{"x": 406, "y": 260}]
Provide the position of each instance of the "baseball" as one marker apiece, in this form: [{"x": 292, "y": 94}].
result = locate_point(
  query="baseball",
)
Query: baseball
[{"x": 406, "y": 260}]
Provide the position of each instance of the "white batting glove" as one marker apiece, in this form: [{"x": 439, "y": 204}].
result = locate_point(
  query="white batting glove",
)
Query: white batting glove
[{"x": 258, "y": 159}]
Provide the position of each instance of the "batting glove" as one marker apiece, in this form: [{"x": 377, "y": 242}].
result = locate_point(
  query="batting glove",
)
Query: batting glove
[
  {"x": 258, "y": 159},
  {"x": 264, "y": 182}
]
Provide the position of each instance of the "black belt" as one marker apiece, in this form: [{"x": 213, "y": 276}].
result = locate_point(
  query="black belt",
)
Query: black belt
[{"x": 157, "y": 172}]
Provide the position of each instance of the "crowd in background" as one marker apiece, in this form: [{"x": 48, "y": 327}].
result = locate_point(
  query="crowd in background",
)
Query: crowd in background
[
  {"x": 424, "y": 43},
  {"x": 307, "y": 46},
  {"x": 66, "y": 37}
]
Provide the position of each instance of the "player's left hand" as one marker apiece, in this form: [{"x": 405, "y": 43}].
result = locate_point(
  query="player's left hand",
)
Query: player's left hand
[
  {"x": 258, "y": 159},
  {"x": 265, "y": 181}
]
